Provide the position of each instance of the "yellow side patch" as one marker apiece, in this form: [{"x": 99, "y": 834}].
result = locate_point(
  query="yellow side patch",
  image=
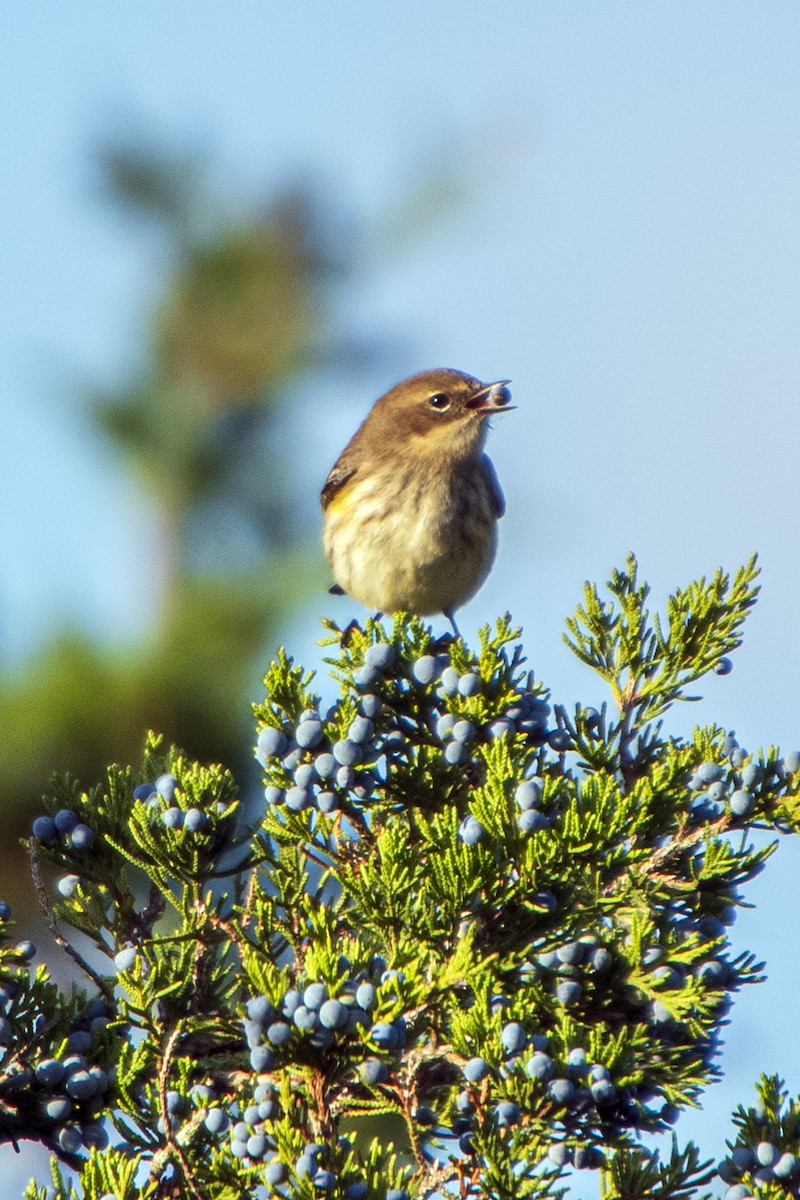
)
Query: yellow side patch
[{"x": 349, "y": 497}]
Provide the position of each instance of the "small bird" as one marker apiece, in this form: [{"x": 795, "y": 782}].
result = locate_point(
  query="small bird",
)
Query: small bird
[{"x": 411, "y": 505}]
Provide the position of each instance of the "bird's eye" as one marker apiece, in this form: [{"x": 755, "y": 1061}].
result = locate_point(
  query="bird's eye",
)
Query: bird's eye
[{"x": 440, "y": 401}]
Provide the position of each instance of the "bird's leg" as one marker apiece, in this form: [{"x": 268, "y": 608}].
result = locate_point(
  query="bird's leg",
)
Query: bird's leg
[
  {"x": 448, "y": 612},
  {"x": 348, "y": 631}
]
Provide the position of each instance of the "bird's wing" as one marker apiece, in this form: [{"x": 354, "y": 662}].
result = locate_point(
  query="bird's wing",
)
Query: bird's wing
[
  {"x": 498, "y": 500},
  {"x": 341, "y": 472}
]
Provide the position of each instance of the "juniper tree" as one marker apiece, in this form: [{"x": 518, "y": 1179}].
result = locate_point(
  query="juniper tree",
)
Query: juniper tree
[{"x": 472, "y": 942}]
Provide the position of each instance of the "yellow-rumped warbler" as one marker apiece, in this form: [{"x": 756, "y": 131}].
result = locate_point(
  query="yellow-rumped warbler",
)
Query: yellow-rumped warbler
[{"x": 412, "y": 502}]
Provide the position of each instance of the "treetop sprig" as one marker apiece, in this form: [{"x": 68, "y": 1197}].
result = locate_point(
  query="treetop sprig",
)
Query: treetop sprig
[
  {"x": 649, "y": 664},
  {"x": 496, "y": 925}
]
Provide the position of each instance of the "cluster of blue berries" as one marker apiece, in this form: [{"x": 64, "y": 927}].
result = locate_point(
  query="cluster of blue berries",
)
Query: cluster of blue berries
[
  {"x": 766, "y": 1153},
  {"x": 67, "y": 830},
  {"x": 316, "y": 1162},
  {"x": 709, "y": 977},
  {"x": 251, "y": 1139},
  {"x": 61, "y": 1097},
  {"x": 533, "y": 815},
  {"x": 749, "y": 1167},
  {"x": 72, "y": 1095},
  {"x": 162, "y": 798},
  {"x": 713, "y": 785},
  {"x": 577, "y": 1086},
  {"x": 583, "y": 971},
  {"x": 527, "y": 713},
  {"x": 711, "y": 969},
  {"x": 568, "y": 969},
  {"x": 64, "y": 829},
  {"x": 310, "y": 1015},
  {"x": 583, "y": 1087},
  {"x": 315, "y": 764},
  {"x": 249, "y": 1135},
  {"x": 581, "y": 1157},
  {"x": 316, "y": 772}
]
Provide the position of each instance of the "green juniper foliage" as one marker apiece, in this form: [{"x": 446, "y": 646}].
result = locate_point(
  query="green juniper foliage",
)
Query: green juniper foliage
[{"x": 472, "y": 944}]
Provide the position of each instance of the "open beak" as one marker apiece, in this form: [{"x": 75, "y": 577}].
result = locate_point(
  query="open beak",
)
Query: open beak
[{"x": 492, "y": 398}]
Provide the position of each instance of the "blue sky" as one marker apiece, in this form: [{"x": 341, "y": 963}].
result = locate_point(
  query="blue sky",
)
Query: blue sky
[{"x": 627, "y": 252}]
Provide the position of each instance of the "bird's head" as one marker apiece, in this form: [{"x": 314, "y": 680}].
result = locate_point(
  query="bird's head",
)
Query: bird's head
[{"x": 439, "y": 410}]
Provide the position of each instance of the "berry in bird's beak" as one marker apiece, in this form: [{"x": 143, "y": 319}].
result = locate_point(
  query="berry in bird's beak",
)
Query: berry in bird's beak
[{"x": 494, "y": 397}]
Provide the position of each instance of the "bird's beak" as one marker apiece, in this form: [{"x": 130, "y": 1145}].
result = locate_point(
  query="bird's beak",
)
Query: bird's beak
[{"x": 492, "y": 398}]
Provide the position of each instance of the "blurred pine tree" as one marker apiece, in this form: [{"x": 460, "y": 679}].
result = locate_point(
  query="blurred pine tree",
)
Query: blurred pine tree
[{"x": 242, "y": 308}]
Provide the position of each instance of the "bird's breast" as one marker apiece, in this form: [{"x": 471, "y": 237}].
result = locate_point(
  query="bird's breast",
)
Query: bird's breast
[{"x": 420, "y": 541}]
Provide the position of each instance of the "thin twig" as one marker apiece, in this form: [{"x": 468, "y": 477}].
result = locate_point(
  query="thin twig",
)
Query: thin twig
[
  {"x": 163, "y": 1078},
  {"x": 56, "y": 933}
]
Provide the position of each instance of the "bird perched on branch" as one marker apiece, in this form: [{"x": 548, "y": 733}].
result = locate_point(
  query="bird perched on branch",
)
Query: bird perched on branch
[{"x": 411, "y": 504}]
